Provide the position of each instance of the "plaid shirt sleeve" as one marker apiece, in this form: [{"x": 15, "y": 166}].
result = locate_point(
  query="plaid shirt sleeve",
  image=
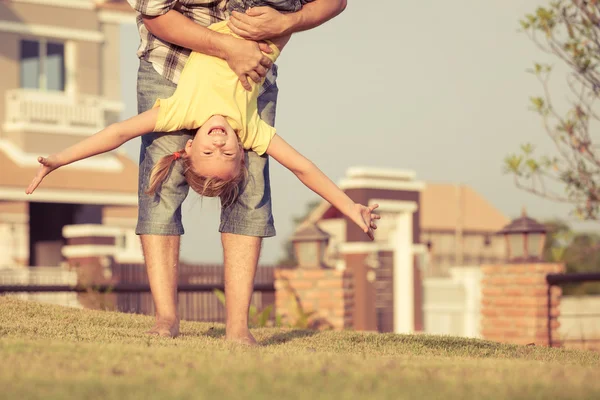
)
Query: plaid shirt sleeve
[{"x": 152, "y": 8}]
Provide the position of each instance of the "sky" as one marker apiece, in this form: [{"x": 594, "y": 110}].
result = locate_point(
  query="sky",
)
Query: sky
[{"x": 439, "y": 88}]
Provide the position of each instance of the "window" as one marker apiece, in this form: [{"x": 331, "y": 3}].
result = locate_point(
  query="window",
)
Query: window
[{"x": 42, "y": 65}]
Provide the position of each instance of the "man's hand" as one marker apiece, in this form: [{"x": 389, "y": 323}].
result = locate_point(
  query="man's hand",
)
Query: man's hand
[
  {"x": 365, "y": 218},
  {"x": 260, "y": 23},
  {"x": 246, "y": 59},
  {"x": 47, "y": 165}
]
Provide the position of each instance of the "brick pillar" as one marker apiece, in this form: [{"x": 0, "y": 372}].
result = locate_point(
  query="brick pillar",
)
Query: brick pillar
[
  {"x": 515, "y": 303},
  {"x": 325, "y": 293},
  {"x": 89, "y": 252}
]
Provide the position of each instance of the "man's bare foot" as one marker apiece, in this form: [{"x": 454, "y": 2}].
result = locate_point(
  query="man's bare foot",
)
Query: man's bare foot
[
  {"x": 165, "y": 328},
  {"x": 244, "y": 338}
]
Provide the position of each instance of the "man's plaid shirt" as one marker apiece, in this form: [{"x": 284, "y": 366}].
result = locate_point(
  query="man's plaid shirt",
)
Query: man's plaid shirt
[{"x": 169, "y": 59}]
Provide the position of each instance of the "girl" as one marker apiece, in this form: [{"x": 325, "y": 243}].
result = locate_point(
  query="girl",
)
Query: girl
[{"x": 210, "y": 98}]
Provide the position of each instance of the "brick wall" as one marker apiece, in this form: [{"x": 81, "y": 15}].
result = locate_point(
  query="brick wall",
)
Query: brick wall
[
  {"x": 327, "y": 293},
  {"x": 515, "y": 303}
]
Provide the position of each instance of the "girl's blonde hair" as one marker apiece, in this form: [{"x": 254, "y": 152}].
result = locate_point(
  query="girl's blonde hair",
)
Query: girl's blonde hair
[{"x": 227, "y": 190}]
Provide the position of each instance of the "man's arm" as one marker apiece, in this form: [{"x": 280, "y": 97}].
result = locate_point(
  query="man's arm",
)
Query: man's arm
[
  {"x": 245, "y": 58},
  {"x": 262, "y": 23},
  {"x": 318, "y": 182}
]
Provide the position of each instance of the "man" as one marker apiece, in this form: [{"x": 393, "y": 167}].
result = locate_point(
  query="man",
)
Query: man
[{"x": 168, "y": 30}]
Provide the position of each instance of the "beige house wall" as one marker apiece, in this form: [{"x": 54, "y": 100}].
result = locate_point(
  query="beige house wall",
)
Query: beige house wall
[
  {"x": 87, "y": 74},
  {"x": 53, "y": 15},
  {"x": 9, "y": 65},
  {"x": 111, "y": 87}
]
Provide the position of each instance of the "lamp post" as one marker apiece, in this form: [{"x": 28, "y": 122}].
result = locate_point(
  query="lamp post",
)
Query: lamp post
[
  {"x": 525, "y": 238},
  {"x": 309, "y": 246}
]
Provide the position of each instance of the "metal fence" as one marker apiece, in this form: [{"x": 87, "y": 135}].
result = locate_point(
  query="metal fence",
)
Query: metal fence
[
  {"x": 561, "y": 280},
  {"x": 196, "y": 286},
  {"x": 199, "y": 304}
]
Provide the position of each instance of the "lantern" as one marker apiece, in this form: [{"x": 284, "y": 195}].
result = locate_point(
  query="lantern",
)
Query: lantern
[
  {"x": 525, "y": 238},
  {"x": 310, "y": 244}
]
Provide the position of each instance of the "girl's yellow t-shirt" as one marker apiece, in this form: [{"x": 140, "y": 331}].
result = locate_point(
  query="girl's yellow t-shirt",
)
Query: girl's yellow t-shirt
[{"x": 208, "y": 87}]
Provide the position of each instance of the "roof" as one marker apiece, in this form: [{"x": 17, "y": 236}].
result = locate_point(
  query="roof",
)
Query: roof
[
  {"x": 309, "y": 233},
  {"x": 524, "y": 225},
  {"x": 443, "y": 205}
]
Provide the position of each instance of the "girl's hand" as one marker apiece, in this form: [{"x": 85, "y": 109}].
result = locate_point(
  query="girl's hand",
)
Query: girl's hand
[
  {"x": 47, "y": 165},
  {"x": 365, "y": 218}
]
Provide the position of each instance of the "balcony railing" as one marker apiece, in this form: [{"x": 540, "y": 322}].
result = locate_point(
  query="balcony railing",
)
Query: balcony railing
[{"x": 30, "y": 108}]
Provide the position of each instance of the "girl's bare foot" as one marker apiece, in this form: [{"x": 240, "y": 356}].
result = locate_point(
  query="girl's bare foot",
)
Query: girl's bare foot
[{"x": 165, "y": 328}]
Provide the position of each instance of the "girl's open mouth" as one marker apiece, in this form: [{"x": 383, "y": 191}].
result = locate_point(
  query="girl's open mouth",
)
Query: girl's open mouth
[{"x": 217, "y": 131}]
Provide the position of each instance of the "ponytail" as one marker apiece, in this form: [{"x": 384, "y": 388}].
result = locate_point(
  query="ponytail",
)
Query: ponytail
[{"x": 161, "y": 171}]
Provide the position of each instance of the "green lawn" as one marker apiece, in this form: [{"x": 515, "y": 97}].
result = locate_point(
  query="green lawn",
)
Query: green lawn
[{"x": 50, "y": 352}]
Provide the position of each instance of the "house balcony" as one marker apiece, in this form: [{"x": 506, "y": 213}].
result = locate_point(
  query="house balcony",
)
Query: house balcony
[{"x": 56, "y": 112}]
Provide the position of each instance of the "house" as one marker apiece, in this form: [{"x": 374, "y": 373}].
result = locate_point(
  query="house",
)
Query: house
[
  {"x": 425, "y": 230},
  {"x": 453, "y": 225},
  {"x": 60, "y": 82},
  {"x": 459, "y": 227}
]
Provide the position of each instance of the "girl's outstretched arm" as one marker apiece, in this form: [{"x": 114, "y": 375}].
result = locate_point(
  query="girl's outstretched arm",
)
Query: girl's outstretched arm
[
  {"x": 107, "y": 139},
  {"x": 319, "y": 183}
]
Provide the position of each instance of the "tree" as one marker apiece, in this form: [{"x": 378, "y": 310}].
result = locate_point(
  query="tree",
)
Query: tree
[
  {"x": 569, "y": 30},
  {"x": 579, "y": 251}
]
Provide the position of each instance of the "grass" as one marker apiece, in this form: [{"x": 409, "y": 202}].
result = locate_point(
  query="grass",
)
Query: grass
[{"x": 52, "y": 352}]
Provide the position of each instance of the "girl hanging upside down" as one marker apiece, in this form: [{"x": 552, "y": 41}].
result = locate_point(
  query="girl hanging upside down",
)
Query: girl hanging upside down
[{"x": 210, "y": 99}]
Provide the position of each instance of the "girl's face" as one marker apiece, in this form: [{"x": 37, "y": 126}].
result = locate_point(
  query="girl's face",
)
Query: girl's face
[{"x": 215, "y": 151}]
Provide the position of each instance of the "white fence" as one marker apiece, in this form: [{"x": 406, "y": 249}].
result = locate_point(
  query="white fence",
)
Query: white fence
[
  {"x": 580, "y": 320},
  {"x": 451, "y": 306},
  {"x": 41, "y": 276}
]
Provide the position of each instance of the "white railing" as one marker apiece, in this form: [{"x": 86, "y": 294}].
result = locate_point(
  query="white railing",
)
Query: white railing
[
  {"x": 42, "y": 276},
  {"x": 55, "y": 109},
  {"x": 580, "y": 321}
]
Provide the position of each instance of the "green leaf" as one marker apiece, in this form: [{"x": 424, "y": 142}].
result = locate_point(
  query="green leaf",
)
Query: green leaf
[
  {"x": 512, "y": 163},
  {"x": 557, "y": 254},
  {"x": 533, "y": 165},
  {"x": 220, "y": 295},
  {"x": 264, "y": 315},
  {"x": 252, "y": 311},
  {"x": 278, "y": 320},
  {"x": 538, "y": 103},
  {"x": 525, "y": 25},
  {"x": 527, "y": 148}
]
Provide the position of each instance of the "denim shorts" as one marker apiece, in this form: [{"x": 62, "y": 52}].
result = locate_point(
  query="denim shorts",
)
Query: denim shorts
[{"x": 160, "y": 214}]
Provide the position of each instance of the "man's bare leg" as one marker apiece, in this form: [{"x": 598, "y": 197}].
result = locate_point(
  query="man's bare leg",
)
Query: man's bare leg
[
  {"x": 162, "y": 262},
  {"x": 241, "y": 255}
]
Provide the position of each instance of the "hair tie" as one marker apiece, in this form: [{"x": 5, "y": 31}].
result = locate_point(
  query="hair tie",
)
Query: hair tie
[{"x": 177, "y": 155}]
